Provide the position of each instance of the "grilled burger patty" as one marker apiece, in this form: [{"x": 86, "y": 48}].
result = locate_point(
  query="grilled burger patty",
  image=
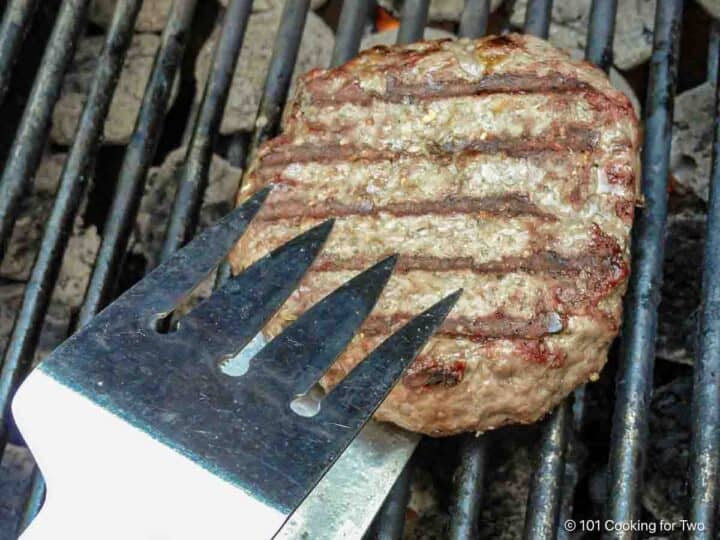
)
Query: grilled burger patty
[{"x": 499, "y": 166}]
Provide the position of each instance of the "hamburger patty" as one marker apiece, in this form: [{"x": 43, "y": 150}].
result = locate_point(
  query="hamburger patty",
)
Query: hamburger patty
[{"x": 499, "y": 166}]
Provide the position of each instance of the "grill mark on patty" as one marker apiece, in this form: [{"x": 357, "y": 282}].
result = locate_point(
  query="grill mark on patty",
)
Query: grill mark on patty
[
  {"x": 547, "y": 261},
  {"x": 510, "y": 205},
  {"x": 323, "y": 153},
  {"x": 575, "y": 138},
  {"x": 495, "y": 326},
  {"x": 398, "y": 91},
  {"x": 594, "y": 275}
]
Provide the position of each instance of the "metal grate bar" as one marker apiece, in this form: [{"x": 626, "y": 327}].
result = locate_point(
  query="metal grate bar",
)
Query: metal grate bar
[
  {"x": 350, "y": 29},
  {"x": 280, "y": 72},
  {"x": 634, "y": 386},
  {"x": 191, "y": 188},
  {"x": 137, "y": 160},
  {"x": 599, "y": 51},
  {"x": 26, "y": 150},
  {"x": 237, "y": 149},
  {"x": 474, "y": 19},
  {"x": 635, "y": 379},
  {"x": 571, "y": 470},
  {"x": 15, "y": 23},
  {"x": 601, "y": 31},
  {"x": 352, "y": 20},
  {"x": 713, "y": 52},
  {"x": 34, "y": 500},
  {"x": 546, "y": 485},
  {"x": 469, "y": 475},
  {"x": 705, "y": 447},
  {"x": 468, "y": 487},
  {"x": 73, "y": 180},
  {"x": 200, "y": 151},
  {"x": 412, "y": 21},
  {"x": 537, "y": 18},
  {"x": 270, "y": 110},
  {"x": 550, "y": 494},
  {"x": 237, "y": 156},
  {"x": 277, "y": 84},
  {"x": 390, "y": 519}
]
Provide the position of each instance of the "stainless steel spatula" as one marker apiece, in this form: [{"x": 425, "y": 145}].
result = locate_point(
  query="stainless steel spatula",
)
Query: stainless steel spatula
[{"x": 141, "y": 434}]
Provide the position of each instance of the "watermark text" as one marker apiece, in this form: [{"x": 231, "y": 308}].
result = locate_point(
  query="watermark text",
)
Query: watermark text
[{"x": 652, "y": 527}]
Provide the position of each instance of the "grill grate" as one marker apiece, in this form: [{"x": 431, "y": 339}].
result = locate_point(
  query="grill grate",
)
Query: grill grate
[
  {"x": 630, "y": 420},
  {"x": 193, "y": 181},
  {"x": 137, "y": 160},
  {"x": 15, "y": 22},
  {"x": 73, "y": 181},
  {"x": 553, "y": 485},
  {"x": 705, "y": 449},
  {"x": 32, "y": 133}
]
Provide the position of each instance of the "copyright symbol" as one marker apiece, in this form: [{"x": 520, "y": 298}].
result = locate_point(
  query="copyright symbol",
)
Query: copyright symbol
[{"x": 570, "y": 525}]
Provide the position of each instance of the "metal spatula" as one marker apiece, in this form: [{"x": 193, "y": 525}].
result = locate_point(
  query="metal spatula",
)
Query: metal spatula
[{"x": 141, "y": 434}]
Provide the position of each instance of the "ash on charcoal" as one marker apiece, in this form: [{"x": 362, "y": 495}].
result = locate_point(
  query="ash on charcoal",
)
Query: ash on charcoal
[
  {"x": 425, "y": 519},
  {"x": 597, "y": 488},
  {"x": 266, "y": 5},
  {"x": 389, "y": 37},
  {"x": 665, "y": 494},
  {"x": 568, "y": 30},
  {"x": 690, "y": 163},
  {"x": 22, "y": 249},
  {"x": 160, "y": 189},
  {"x": 152, "y": 16},
  {"x": 315, "y": 51},
  {"x": 440, "y": 10},
  {"x": 128, "y": 94},
  {"x": 154, "y": 13},
  {"x": 506, "y": 491},
  {"x": 691, "y": 150},
  {"x": 27, "y": 236},
  {"x": 54, "y": 329},
  {"x": 29, "y": 225},
  {"x": 77, "y": 265},
  {"x": 677, "y": 323},
  {"x": 511, "y": 461},
  {"x": 14, "y": 478},
  {"x": 711, "y": 7},
  {"x": 431, "y": 476}
]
